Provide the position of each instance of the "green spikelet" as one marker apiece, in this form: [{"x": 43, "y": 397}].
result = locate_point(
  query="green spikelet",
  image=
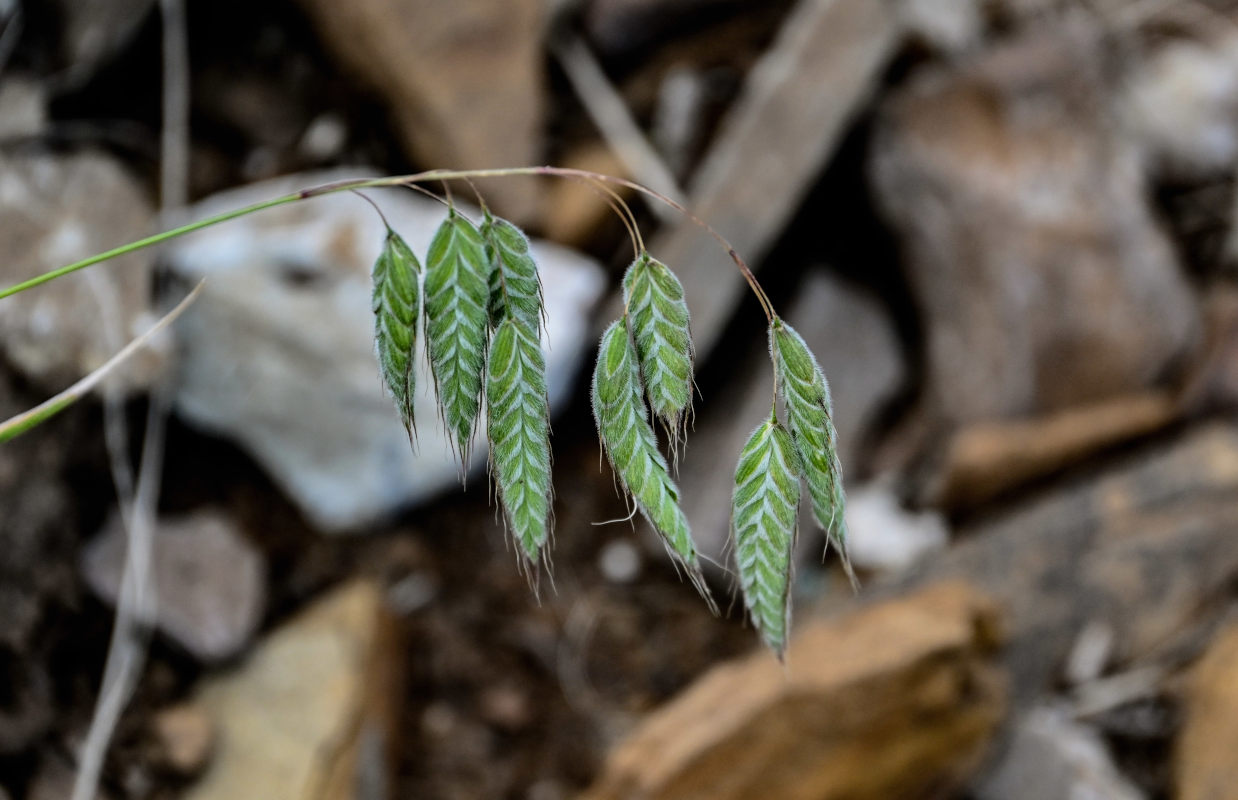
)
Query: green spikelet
[
  {"x": 515, "y": 290},
  {"x": 623, "y": 426},
  {"x": 396, "y": 302},
  {"x": 519, "y": 431},
  {"x": 763, "y": 514},
  {"x": 659, "y": 320},
  {"x": 807, "y": 395},
  {"x": 457, "y": 296}
]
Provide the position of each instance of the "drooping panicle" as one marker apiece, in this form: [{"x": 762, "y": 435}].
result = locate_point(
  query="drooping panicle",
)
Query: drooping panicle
[
  {"x": 630, "y": 443},
  {"x": 515, "y": 289},
  {"x": 806, "y": 393},
  {"x": 518, "y": 427},
  {"x": 457, "y": 297},
  {"x": 763, "y": 521},
  {"x": 396, "y": 302},
  {"x": 658, "y": 316}
]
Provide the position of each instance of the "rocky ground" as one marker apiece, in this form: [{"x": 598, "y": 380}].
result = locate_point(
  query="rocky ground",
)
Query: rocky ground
[{"x": 1006, "y": 227}]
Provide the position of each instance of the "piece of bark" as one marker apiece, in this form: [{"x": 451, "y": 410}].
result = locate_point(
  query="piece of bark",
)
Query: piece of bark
[
  {"x": 985, "y": 459},
  {"x": 464, "y": 79},
  {"x": 791, "y": 114},
  {"x": 1145, "y": 546},
  {"x": 1204, "y": 764},
  {"x": 893, "y": 701}
]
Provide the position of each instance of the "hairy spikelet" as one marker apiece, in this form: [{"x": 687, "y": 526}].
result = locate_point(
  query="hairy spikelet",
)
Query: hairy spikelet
[
  {"x": 515, "y": 290},
  {"x": 807, "y": 395},
  {"x": 519, "y": 430},
  {"x": 457, "y": 295},
  {"x": 623, "y": 425},
  {"x": 659, "y": 320},
  {"x": 763, "y": 514},
  {"x": 396, "y": 302}
]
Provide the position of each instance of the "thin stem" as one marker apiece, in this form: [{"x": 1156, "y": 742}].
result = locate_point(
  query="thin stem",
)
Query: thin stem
[
  {"x": 377, "y": 210},
  {"x": 623, "y": 210},
  {"x": 149, "y": 241},
  {"x": 404, "y": 180},
  {"x": 428, "y": 193},
  {"x": 568, "y": 172},
  {"x": 601, "y": 190},
  {"x": 48, "y": 408},
  {"x": 481, "y": 201}
]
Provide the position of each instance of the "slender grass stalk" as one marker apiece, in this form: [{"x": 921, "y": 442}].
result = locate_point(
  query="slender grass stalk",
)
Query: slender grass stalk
[
  {"x": 397, "y": 180},
  {"x": 49, "y": 408}
]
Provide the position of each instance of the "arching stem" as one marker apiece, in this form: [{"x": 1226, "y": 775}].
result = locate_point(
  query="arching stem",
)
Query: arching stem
[{"x": 443, "y": 175}]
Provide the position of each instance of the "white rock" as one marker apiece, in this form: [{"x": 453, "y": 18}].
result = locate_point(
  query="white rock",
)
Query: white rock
[
  {"x": 278, "y": 351},
  {"x": 1181, "y": 105},
  {"x": 949, "y": 26},
  {"x": 885, "y": 536}
]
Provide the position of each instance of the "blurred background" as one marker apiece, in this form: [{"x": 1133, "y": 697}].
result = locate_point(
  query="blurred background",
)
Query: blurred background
[{"x": 1006, "y": 228}]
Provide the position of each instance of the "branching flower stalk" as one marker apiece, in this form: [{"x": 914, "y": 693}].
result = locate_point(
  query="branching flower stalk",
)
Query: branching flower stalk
[{"x": 478, "y": 307}]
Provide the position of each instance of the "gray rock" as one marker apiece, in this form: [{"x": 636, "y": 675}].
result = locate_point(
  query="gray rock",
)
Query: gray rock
[
  {"x": 23, "y": 107},
  {"x": 56, "y": 209},
  {"x": 278, "y": 354},
  {"x": 210, "y": 583},
  {"x": 1042, "y": 275},
  {"x": 1050, "y": 757}
]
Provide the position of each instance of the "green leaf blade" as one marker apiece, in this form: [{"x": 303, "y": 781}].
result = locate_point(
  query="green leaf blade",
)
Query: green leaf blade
[
  {"x": 660, "y": 327},
  {"x": 630, "y": 443},
  {"x": 457, "y": 296},
  {"x": 763, "y": 521},
  {"x": 803, "y": 387},
  {"x": 515, "y": 290},
  {"x": 396, "y": 303},
  {"x": 518, "y": 428}
]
